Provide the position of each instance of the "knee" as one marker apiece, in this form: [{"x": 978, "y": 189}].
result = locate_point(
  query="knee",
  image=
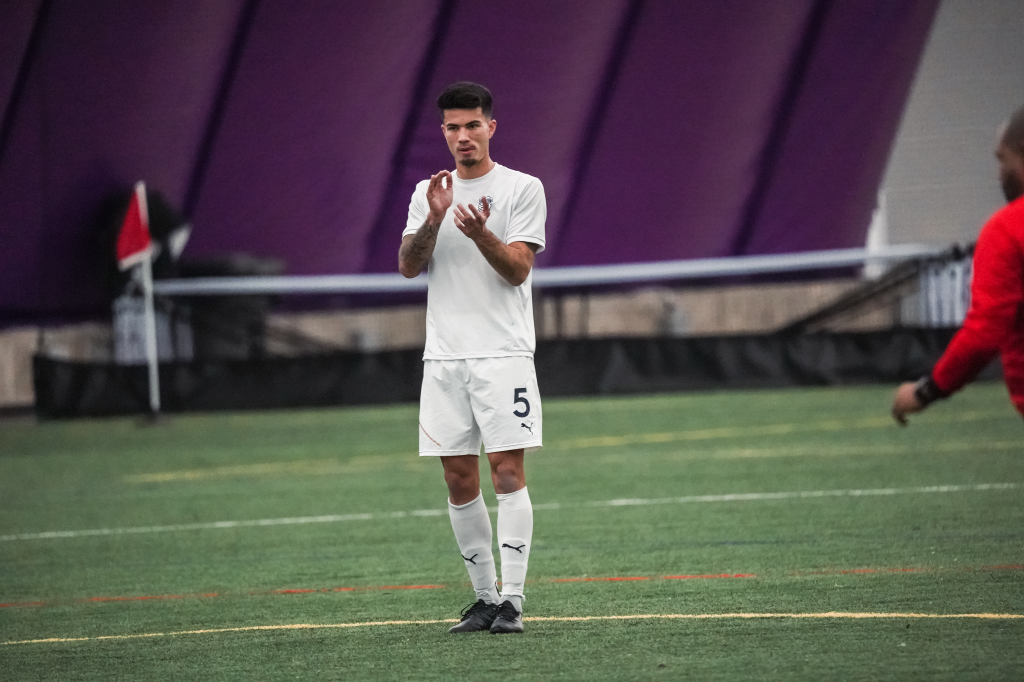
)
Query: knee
[
  {"x": 459, "y": 480},
  {"x": 463, "y": 481},
  {"x": 508, "y": 477}
]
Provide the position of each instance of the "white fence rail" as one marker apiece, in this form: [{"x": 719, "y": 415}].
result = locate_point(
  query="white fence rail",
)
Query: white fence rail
[{"x": 549, "y": 278}]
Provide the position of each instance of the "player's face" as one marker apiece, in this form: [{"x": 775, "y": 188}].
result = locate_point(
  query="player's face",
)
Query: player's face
[{"x": 468, "y": 133}]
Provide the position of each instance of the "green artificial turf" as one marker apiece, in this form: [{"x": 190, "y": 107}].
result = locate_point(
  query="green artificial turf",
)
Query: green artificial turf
[{"x": 673, "y": 492}]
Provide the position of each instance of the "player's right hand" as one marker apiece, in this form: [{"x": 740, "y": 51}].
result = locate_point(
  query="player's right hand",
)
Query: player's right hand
[
  {"x": 440, "y": 194},
  {"x": 905, "y": 402}
]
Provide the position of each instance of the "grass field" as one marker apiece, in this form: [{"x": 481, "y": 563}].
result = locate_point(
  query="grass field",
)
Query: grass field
[{"x": 793, "y": 534}]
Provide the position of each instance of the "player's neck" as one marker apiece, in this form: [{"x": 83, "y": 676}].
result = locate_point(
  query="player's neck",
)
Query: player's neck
[{"x": 477, "y": 170}]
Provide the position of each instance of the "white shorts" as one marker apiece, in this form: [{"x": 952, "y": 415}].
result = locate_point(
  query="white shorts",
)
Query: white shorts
[{"x": 493, "y": 401}]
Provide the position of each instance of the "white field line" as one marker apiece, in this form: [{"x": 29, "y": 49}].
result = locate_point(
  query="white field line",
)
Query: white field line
[
  {"x": 624, "y": 502},
  {"x": 537, "y": 619}
]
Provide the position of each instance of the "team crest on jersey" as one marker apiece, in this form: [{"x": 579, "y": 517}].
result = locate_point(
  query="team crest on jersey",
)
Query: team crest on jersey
[{"x": 480, "y": 204}]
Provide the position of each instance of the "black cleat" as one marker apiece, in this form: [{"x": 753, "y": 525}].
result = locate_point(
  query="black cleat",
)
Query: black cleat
[
  {"x": 507, "y": 620},
  {"x": 476, "y": 617}
]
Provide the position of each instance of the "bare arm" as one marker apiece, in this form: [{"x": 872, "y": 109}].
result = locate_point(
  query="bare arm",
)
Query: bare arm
[
  {"x": 512, "y": 261},
  {"x": 417, "y": 248}
]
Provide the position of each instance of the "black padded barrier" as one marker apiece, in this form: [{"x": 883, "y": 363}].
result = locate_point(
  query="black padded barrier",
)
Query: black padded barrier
[{"x": 572, "y": 367}]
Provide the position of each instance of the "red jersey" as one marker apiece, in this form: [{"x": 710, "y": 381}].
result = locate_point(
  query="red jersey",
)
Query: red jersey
[{"x": 995, "y": 320}]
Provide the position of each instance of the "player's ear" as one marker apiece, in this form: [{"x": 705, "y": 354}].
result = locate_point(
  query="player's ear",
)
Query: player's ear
[{"x": 491, "y": 126}]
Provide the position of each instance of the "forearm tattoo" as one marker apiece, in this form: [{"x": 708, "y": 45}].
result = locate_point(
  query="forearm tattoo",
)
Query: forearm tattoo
[{"x": 422, "y": 244}]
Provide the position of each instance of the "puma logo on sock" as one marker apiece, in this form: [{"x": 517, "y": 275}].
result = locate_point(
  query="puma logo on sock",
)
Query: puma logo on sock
[
  {"x": 470, "y": 559},
  {"x": 518, "y": 549},
  {"x": 528, "y": 428}
]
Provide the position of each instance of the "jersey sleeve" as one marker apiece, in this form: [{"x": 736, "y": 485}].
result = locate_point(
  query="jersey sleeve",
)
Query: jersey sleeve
[
  {"x": 418, "y": 210},
  {"x": 529, "y": 213},
  {"x": 997, "y": 294}
]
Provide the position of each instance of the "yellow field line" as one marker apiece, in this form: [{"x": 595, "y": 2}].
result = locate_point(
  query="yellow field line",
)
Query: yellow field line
[
  {"x": 536, "y": 619},
  {"x": 747, "y": 431},
  {"x": 330, "y": 466},
  {"x": 314, "y": 466},
  {"x": 827, "y": 614},
  {"x": 296, "y": 467},
  {"x": 323, "y": 467},
  {"x": 828, "y": 451}
]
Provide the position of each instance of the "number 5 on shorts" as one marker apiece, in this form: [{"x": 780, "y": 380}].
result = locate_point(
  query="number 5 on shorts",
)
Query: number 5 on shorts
[{"x": 520, "y": 398}]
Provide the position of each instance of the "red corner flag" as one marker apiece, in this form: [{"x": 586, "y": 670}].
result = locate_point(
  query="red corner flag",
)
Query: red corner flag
[{"x": 134, "y": 244}]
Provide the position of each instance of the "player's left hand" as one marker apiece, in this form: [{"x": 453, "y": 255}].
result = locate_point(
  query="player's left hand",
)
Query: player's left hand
[
  {"x": 905, "y": 402},
  {"x": 471, "y": 221}
]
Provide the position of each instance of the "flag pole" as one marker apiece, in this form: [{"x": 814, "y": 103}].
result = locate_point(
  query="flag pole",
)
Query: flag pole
[
  {"x": 135, "y": 247},
  {"x": 151, "y": 354}
]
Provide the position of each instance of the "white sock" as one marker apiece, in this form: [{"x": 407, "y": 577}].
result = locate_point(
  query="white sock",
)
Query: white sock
[
  {"x": 472, "y": 527},
  {"x": 515, "y": 534}
]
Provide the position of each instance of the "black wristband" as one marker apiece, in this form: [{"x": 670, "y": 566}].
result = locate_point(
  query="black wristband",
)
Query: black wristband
[{"x": 927, "y": 391}]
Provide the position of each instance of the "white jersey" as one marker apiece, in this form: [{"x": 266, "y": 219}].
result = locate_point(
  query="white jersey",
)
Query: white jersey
[{"x": 472, "y": 312}]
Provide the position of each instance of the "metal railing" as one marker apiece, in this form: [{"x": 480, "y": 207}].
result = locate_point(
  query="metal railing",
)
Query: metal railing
[{"x": 556, "y": 277}]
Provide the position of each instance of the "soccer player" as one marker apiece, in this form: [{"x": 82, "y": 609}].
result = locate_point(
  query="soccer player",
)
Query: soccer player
[
  {"x": 477, "y": 231},
  {"x": 995, "y": 320}
]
